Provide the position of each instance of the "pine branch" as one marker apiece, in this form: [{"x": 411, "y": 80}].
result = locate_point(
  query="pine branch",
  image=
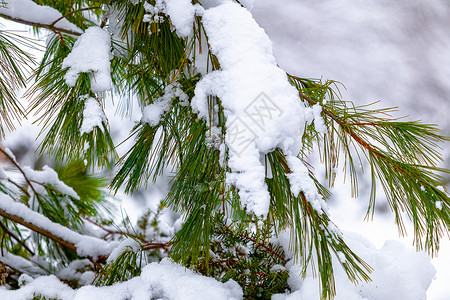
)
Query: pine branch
[
  {"x": 268, "y": 249},
  {"x": 117, "y": 232},
  {"x": 402, "y": 155},
  {"x": 347, "y": 128},
  {"x": 55, "y": 29}
]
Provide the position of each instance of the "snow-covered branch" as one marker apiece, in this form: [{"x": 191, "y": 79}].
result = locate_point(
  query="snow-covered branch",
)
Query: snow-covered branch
[{"x": 29, "y": 13}]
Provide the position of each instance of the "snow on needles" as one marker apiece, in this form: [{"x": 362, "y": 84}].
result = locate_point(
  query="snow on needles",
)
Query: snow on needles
[
  {"x": 29, "y": 11},
  {"x": 301, "y": 182},
  {"x": 263, "y": 110},
  {"x": 93, "y": 116},
  {"x": 163, "y": 280},
  {"x": 181, "y": 14},
  {"x": 153, "y": 112},
  {"x": 91, "y": 54},
  {"x": 49, "y": 176},
  {"x": 85, "y": 245},
  {"x": 127, "y": 244}
]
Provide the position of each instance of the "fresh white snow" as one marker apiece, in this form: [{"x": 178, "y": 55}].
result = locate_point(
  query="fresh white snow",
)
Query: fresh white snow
[
  {"x": 128, "y": 244},
  {"x": 301, "y": 182},
  {"x": 399, "y": 273},
  {"x": 152, "y": 113},
  {"x": 3, "y": 175},
  {"x": 181, "y": 13},
  {"x": 87, "y": 58},
  {"x": 85, "y": 245}
]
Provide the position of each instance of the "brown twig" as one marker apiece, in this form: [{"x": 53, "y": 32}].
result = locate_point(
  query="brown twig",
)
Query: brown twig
[
  {"x": 36, "y": 24},
  {"x": 109, "y": 231},
  {"x": 150, "y": 246}
]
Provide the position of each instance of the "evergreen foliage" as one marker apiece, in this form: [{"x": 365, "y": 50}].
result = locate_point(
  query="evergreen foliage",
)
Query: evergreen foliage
[{"x": 219, "y": 238}]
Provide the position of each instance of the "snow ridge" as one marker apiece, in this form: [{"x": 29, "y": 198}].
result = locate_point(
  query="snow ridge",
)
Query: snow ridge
[
  {"x": 91, "y": 54},
  {"x": 262, "y": 108}
]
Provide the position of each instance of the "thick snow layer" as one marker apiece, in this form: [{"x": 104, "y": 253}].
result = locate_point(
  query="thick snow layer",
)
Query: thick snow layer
[
  {"x": 399, "y": 273},
  {"x": 263, "y": 110},
  {"x": 127, "y": 244},
  {"x": 91, "y": 54},
  {"x": 49, "y": 176},
  {"x": 29, "y": 11},
  {"x": 93, "y": 116},
  {"x": 181, "y": 13},
  {"x": 86, "y": 245},
  {"x": 301, "y": 182},
  {"x": 74, "y": 272},
  {"x": 163, "y": 280}
]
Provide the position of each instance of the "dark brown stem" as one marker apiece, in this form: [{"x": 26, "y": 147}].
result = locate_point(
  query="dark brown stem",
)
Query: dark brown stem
[
  {"x": 37, "y": 229},
  {"x": 104, "y": 20},
  {"x": 35, "y": 24}
]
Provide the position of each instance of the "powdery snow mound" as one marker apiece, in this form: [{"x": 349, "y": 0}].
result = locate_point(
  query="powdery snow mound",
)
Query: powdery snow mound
[
  {"x": 394, "y": 51},
  {"x": 164, "y": 280},
  {"x": 399, "y": 273},
  {"x": 85, "y": 58}
]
